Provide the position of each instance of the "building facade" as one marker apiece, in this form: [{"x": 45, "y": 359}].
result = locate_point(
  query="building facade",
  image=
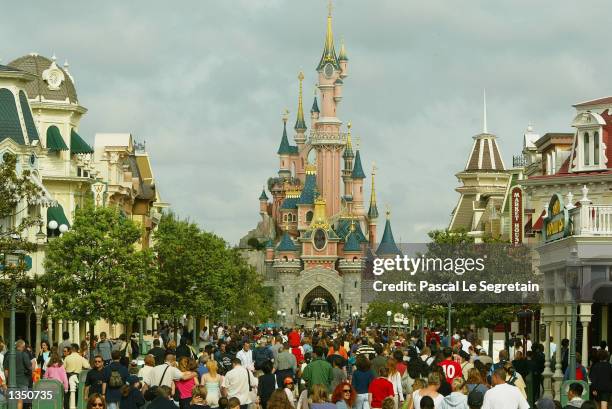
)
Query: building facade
[
  {"x": 39, "y": 122},
  {"x": 316, "y": 227}
]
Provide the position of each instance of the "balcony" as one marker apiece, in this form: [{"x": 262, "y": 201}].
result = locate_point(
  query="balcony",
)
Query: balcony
[
  {"x": 592, "y": 220},
  {"x": 327, "y": 138}
]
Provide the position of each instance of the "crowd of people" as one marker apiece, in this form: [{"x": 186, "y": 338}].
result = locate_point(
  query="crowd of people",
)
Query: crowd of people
[{"x": 326, "y": 368}]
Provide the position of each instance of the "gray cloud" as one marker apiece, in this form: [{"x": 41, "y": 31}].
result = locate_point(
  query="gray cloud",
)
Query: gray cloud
[{"x": 204, "y": 83}]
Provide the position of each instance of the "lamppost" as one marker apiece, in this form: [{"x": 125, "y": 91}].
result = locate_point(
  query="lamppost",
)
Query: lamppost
[
  {"x": 278, "y": 317},
  {"x": 574, "y": 280},
  {"x": 251, "y": 315},
  {"x": 13, "y": 261},
  {"x": 389, "y": 313},
  {"x": 405, "y": 306},
  {"x": 284, "y": 315}
]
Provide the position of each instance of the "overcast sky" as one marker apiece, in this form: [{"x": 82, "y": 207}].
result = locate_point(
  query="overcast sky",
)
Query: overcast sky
[{"x": 205, "y": 82}]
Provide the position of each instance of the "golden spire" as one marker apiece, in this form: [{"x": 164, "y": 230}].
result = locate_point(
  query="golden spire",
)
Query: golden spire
[
  {"x": 329, "y": 52},
  {"x": 300, "y": 124},
  {"x": 373, "y": 210},
  {"x": 348, "y": 150}
]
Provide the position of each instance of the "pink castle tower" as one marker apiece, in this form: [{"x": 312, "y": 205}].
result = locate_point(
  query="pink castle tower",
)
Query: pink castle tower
[{"x": 325, "y": 136}]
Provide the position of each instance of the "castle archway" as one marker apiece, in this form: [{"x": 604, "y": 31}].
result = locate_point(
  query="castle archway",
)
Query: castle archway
[{"x": 319, "y": 300}]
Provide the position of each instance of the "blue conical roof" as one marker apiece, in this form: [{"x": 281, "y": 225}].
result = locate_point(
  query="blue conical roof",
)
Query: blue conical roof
[
  {"x": 352, "y": 242},
  {"x": 308, "y": 193},
  {"x": 387, "y": 244},
  {"x": 285, "y": 148},
  {"x": 357, "y": 168},
  {"x": 315, "y": 106},
  {"x": 286, "y": 244},
  {"x": 263, "y": 195}
]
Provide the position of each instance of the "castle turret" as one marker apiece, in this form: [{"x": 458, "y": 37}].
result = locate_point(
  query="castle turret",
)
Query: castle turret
[
  {"x": 347, "y": 178},
  {"x": 263, "y": 202},
  {"x": 284, "y": 150},
  {"x": 343, "y": 60},
  {"x": 300, "y": 124},
  {"x": 372, "y": 212},
  {"x": 357, "y": 177},
  {"x": 387, "y": 246},
  {"x": 314, "y": 111}
]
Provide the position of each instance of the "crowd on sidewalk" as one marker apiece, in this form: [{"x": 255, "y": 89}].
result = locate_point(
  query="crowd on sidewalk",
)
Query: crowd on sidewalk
[{"x": 326, "y": 368}]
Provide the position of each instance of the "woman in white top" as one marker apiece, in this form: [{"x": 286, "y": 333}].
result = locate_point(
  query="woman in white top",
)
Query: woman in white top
[
  {"x": 145, "y": 372},
  {"x": 431, "y": 390},
  {"x": 213, "y": 382},
  {"x": 396, "y": 379}
]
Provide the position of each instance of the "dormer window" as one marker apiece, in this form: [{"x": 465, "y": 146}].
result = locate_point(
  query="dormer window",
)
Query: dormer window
[
  {"x": 596, "y": 148},
  {"x": 590, "y": 151},
  {"x": 586, "y": 149}
]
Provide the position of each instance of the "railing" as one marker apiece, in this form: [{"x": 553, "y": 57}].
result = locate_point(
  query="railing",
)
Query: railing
[
  {"x": 320, "y": 137},
  {"x": 593, "y": 220}
]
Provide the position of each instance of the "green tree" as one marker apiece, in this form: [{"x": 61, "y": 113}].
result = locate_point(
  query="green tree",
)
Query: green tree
[
  {"x": 94, "y": 270},
  {"x": 197, "y": 274}
]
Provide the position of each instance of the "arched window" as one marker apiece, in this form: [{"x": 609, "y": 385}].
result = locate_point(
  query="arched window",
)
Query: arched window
[
  {"x": 586, "y": 149},
  {"x": 596, "y": 148},
  {"x": 285, "y": 217},
  {"x": 309, "y": 216}
]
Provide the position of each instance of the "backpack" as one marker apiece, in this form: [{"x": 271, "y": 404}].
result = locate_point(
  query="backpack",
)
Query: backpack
[{"x": 115, "y": 380}]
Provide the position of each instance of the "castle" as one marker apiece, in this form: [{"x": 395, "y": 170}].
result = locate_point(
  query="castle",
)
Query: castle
[{"x": 315, "y": 227}]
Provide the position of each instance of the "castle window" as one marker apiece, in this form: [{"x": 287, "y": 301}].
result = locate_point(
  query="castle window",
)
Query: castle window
[
  {"x": 355, "y": 284},
  {"x": 585, "y": 149},
  {"x": 596, "y": 148},
  {"x": 309, "y": 216}
]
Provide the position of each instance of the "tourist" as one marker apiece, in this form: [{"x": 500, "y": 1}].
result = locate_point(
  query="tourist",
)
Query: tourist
[
  {"x": 94, "y": 378},
  {"x": 451, "y": 368},
  {"x": 131, "y": 396},
  {"x": 458, "y": 398},
  {"x": 445, "y": 387},
  {"x": 396, "y": 379},
  {"x": 379, "y": 360},
  {"x": 418, "y": 384},
  {"x": 431, "y": 390},
  {"x": 581, "y": 372},
  {"x": 379, "y": 389},
  {"x": 601, "y": 378},
  {"x": 246, "y": 356},
  {"x": 233, "y": 403},
  {"x": 278, "y": 400},
  {"x": 212, "y": 380},
  {"x": 288, "y": 388},
  {"x": 285, "y": 364},
  {"x": 55, "y": 370},
  {"x": 185, "y": 386},
  {"x": 362, "y": 377},
  {"x": 344, "y": 396},
  {"x": 183, "y": 350},
  {"x": 319, "y": 398},
  {"x": 167, "y": 373},
  {"x": 96, "y": 401},
  {"x": 338, "y": 374},
  {"x": 147, "y": 369},
  {"x": 266, "y": 384},
  {"x": 104, "y": 348},
  {"x": 43, "y": 356},
  {"x": 503, "y": 395},
  {"x": 198, "y": 398},
  {"x": 158, "y": 352},
  {"x": 65, "y": 341},
  {"x": 237, "y": 383},
  {"x": 171, "y": 347},
  {"x": 574, "y": 396},
  {"x": 475, "y": 399},
  {"x": 115, "y": 376},
  {"x": 318, "y": 371},
  {"x": 427, "y": 403},
  {"x": 476, "y": 382},
  {"x": 163, "y": 400}
]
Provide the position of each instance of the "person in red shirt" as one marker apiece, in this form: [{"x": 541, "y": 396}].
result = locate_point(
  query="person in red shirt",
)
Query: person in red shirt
[
  {"x": 398, "y": 355},
  {"x": 380, "y": 388},
  {"x": 451, "y": 368}
]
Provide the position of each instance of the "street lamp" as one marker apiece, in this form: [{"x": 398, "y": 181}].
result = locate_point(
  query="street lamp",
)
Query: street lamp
[
  {"x": 278, "y": 316},
  {"x": 251, "y": 314},
  {"x": 573, "y": 279},
  {"x": 405, "y": 322},
  {"x": 406, "y": 306},
  {"x": 284, "y": 317},
  {"x": 389, "y": 313},
  {"x": 12, "y": 261}
]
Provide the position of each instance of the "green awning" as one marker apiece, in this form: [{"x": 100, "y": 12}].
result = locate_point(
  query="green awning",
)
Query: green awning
[
  {"x": 78, "y": 145},
  {"x": 55, "y": 142},
  {"x": 57, "y": 213}
]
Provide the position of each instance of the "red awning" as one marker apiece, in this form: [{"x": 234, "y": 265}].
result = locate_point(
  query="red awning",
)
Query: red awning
[{"x": 537, "y": 226}]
